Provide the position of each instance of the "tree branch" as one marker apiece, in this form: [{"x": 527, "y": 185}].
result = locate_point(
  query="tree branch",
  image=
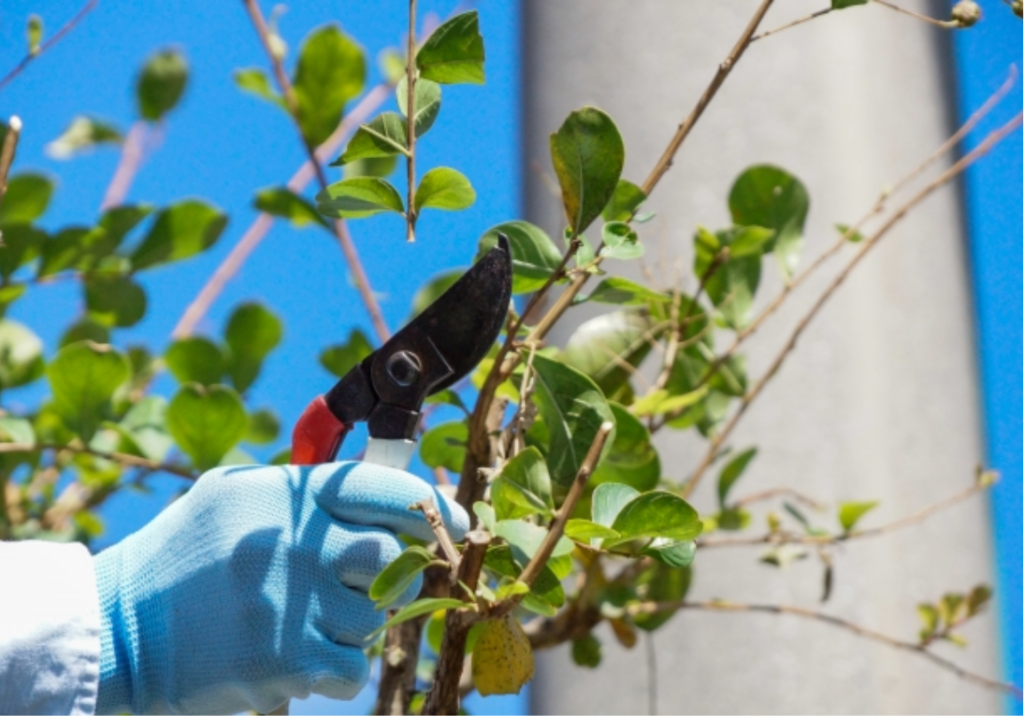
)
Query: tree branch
[
  {"x": 723, "y": 606},
  {"x": 436, "y": 523},
  {"x": 119, "y": 457},
  {"x": 127, "y": 166},
  {"x": 7, "y": 152},
  {"x": 990, "y": 141},
  {"x": 348, "y": 248},
  {"x": 794, "y": 23},
  {"x": 68, "y": 26},
  {"x": 410, "y": 124}
]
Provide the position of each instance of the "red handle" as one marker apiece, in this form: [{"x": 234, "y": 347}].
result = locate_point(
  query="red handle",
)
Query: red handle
[{"x": 317, "y": 435}]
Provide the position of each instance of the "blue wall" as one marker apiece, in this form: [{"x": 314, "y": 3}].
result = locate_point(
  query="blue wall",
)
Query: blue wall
[
  {"x": 984, "y": 55},
  {"x": 223, "y": 145}
]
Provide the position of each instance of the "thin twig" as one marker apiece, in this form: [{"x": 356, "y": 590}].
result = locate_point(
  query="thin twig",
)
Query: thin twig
[
  {"x": 410, "y": 125},
  {"x": 119, "y": 457},
  {"x": 665, "y": 162},
  {"x": 794, "y": 23},
  {"x": 7, "y": 152},
  {"x": 348, "y": 248},
  {"x": 256, "y": 232},
  {"x": 127, "y": 166},
  {"x": 779, "y": 492},
  {"x": 724, "y": 606},
  {"x": 777, "y": 538},
  {"x": 990, "y": 141},
  {"x": 536, "y": 564},
  {"x": 436, "y": 523},
  {"x": 68, "y": 26},
  {"x": 945, "y": 24}
]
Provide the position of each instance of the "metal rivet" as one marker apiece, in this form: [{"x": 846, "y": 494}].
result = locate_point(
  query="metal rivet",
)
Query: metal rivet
[{"x": 404, "y": 368}]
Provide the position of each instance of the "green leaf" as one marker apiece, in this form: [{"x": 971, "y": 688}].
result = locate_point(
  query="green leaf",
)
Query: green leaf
[
  {"x": 585, "y": 530},
  {"x": 21, "y": 354},
  {"x": 672, "y": 553},
  {"x": 432, "y": 290},
  {"x": 929, "y": 618},
  {"x": 370, "y": 167},
  {"x": 358, "y": 197},
  {"x": 444, "y": 188},
  {"x": 661, "y": 584},
  {"x": 525, "y": 539},
  {"x": 854, "y": 237},
  {"x": 264, "y": 427},
  {"x": 620, "y": 241},
  {"x": 397, "y": 577},
  {"x": 179, "y": 231},
  {"x": 454, "y": 52},
  {"x": 657, "y": 514},
  {"x": 427, "y": 103},
  {"x": 851, "y": 512},
  {"x": 661, "y": 402},
  {"x": 978, "y": 598},
  {"x": 841, "y": 4},
  {"x": 255, "y": 81},
  {"x": 143, "y": 429},
  {"x": 161, "y": 84},
  {"x": 447, "y": 397},
  {"x": 626, "y": 199},
  {"x": 26, "y": 198},
  {"x": 588, "y": 154},
  {"x": 731, "y": 287},
  {"x": 418, "y": 609},
  {"x": 534, "y": 255},
  {"x": 83, "y": 248},
  {"x": 115, "y": 301},
  {"x": 206, "y": 422},
  {"x": 523, "y": 488},
  {"x": 341, "y": 358},
  {"x": 586, "y": 651},
  {"x": 485, "y": 513},
  {"x": 783, "y": 555},
  {"x": 444, "y": 445},
  {"x": 573, "y": 410},
  {"x": 83, "y": 133},
  {"x": 732, "y": 472},
  {"x": 608, "y": 501},
  {"x": 251, "y": 333},
  {"x": 771, "y": 197},
  {"x": 34, "y": 30},
  {"x": 283, "y": 202},
  {"x": 600, "y": 347},
  {"x": 83, "y": 377},
  {"x": 632, "y": 459},
  {"x": 950, "y": 606},
  {"x": 21, "y": 244},
  {"x": 195, "y": 360},
  {"x": 623, "y": 292},
  {"x": 547, "y": 588},
  {"x": 17, "y": 430},
  {"x": 382, "y": 137},
  {"x": 331, "y": 70},
  {"x": 85, "y": 329}
]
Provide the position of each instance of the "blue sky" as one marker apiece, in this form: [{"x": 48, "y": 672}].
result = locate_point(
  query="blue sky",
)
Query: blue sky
[{"x": 223, "y": 145}]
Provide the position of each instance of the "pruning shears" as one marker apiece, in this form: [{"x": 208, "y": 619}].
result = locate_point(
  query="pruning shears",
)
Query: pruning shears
[{"x": 387, "y": 388}]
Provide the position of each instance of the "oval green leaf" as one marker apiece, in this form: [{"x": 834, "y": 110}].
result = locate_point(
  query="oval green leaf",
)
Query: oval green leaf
[
  {"x": 587, "y": 153},
  {"x": 444, "y": 188},
  {"x": 358, "y": 197},
  {"x": 206, "y": 422}
]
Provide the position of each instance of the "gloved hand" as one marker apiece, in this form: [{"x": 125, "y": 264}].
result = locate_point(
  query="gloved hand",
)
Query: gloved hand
[{"x": 251, "y": 589}]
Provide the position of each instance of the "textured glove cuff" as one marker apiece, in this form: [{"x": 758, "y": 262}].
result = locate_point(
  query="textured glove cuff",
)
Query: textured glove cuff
[{"x": 115, "y": 691}]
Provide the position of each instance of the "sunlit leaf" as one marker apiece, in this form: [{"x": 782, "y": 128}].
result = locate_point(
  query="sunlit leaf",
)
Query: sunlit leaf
[
  {"x": 427, "y": 103},
  {"x": 83, "y": 377},
  {"x": 444, "y": 188},
  {"x": 454, "y": 52},
  {"x": 161, "y": 84},
  {"x": 206, "y": 422},
  {"x": 587, "y": 153},
  {"x": 395, "y": 580},
  {"x": 180, "y": 231},
  {"x": 359, "y": 197},
  {"x": 534, "y": 255},
  {"x": 286, "y": 204},
  {"x": 331, "y": 70}
]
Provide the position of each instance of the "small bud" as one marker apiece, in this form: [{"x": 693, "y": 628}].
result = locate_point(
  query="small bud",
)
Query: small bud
[
  {"x": 1018, "y": 8},
  {"x": 966, "y": 13}
]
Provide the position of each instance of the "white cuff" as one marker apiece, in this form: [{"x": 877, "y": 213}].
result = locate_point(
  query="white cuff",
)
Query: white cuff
[{"x": 49, "y": 629}]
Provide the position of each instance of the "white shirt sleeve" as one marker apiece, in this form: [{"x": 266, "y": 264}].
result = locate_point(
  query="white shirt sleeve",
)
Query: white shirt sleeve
[{"x": 49, "y": 629}]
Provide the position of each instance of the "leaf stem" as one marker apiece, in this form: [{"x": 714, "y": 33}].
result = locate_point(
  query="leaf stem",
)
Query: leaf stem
[
  {"x": 444, "y": 539},
  {"x": 945, "y": 24},
  {"x": 410, "y": 127},
  {"x": 348, "y": 248},
  {"x": 794, "y": 23},
  {"x": 65, "y": 29},
  {"x": 945, "y": 177}
]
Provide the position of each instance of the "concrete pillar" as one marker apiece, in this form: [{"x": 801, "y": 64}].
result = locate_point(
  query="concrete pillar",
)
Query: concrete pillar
[{"x": 880, "y": 399}]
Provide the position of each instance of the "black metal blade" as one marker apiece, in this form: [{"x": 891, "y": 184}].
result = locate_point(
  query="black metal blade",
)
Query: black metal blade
[{"x": 436, "y": 349}]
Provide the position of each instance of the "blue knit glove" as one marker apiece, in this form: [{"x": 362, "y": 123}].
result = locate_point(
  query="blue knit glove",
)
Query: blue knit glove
[{"x": 251, "y": 589}]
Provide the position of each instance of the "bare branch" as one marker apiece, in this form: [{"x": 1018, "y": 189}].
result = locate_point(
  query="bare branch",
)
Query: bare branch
[
  {"x": 348, "y": 248},
  {"x": 723, "y": 606},
  {"x": 68, "y": 26},
  {"x": 436, "y": 523},
  {"x": 990, "y": 141},
  {"x": 8, "y": 151},
  {"x": 127, "y": 166},
  {"x": 119, "y": 457},
  {"x": 410, "y": 126},
  {"x": 945, "y": 24},
  {"x": 794, "y": 23}
]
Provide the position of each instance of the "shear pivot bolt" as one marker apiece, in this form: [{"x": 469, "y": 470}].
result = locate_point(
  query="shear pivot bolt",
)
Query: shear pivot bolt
[{"x": 404, "y": 368}]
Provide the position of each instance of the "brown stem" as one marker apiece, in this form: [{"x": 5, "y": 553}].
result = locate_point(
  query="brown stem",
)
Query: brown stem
[
  {"x": 794, "y": 23},
  {"x": 119, "y": 457},
  {"x": 723, "y": 606},
  {"x": 436, "y": 523},
  {"x": 127, "y": 166},
  {"x": 665, "y": 162},
  {"x": 788, "y": 538},
  {"x": 8, "y": 150},
  {"x": 252, "y": 237},
  {"x": 340, "y": 230},
  {"x": 990, "y": 141},
  {"x": 410, "y": 126},
  {"x": 398, "y": 674},
  {"x": 443, "y": 697},
  {"x": 945, "y": 24},
  {"x": 557, "y": 528},
  {"x": 68, "y": 26}
]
